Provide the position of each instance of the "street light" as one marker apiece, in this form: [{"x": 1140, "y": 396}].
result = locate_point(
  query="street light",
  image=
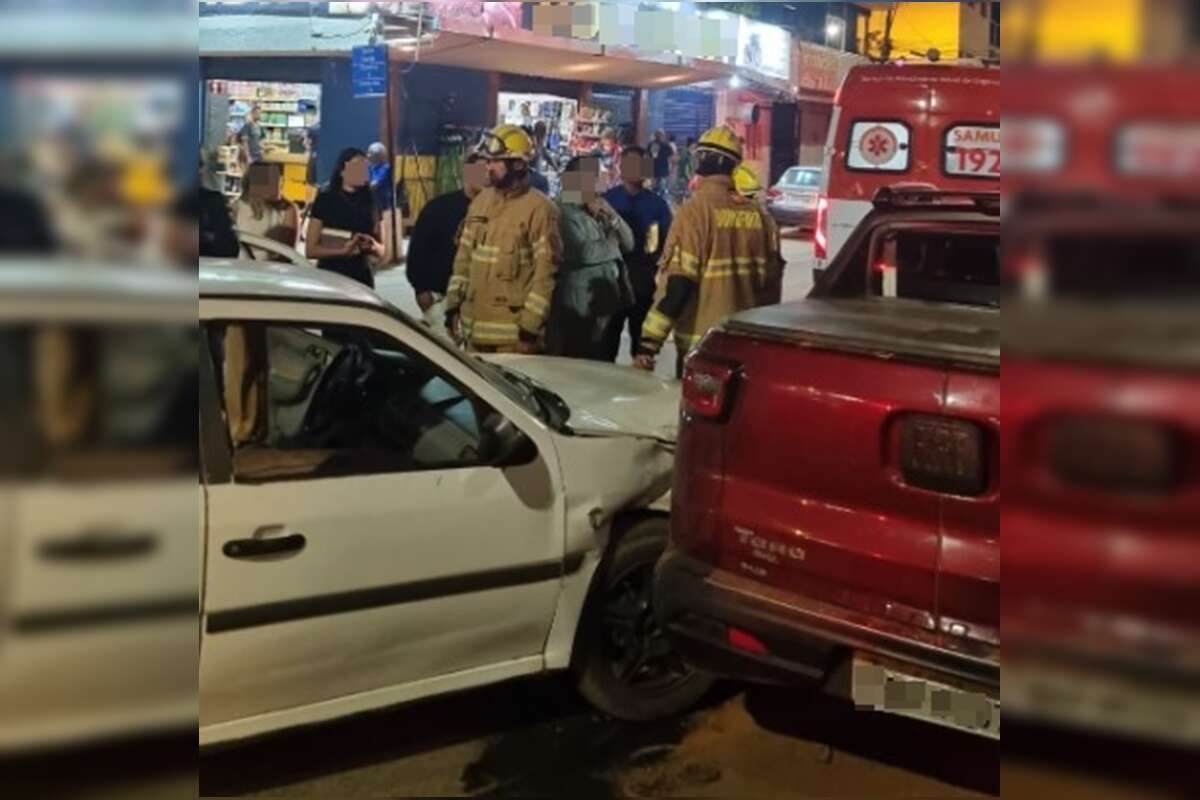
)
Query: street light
[{"x": 835, "y": 32}]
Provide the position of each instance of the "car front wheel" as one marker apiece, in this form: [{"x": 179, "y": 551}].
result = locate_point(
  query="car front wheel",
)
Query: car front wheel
[{"x": 624, "y": 664}]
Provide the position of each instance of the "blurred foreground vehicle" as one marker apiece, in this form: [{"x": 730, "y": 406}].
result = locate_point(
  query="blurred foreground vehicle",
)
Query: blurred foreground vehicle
[
  {"x": 836, "y": 507},
  {"x": 386, "y": 519},
  {"x": 98, "y": 563},
  {"x": 1101, "y": 450}
]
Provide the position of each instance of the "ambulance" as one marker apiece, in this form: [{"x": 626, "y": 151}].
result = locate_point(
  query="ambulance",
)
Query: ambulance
[{"x": 935, "y": 125}]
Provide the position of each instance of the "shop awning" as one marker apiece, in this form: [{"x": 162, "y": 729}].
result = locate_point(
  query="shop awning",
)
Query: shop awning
[{"x": 522, "y": 52}]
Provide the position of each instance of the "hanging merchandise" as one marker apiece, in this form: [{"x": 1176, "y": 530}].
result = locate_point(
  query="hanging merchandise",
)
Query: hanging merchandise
[{"x": 590, "y": 126}]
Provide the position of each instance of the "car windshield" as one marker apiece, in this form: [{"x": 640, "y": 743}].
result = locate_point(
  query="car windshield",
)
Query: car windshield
[{"x": 801, "y": 179}]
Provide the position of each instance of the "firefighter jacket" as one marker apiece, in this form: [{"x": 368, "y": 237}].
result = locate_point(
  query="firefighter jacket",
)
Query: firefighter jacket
[
  {"x": 728, "y": 249},
  {"x": 506, "y": 267}
]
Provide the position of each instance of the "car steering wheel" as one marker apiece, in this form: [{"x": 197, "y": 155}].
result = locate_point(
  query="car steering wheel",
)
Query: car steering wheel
[{"x": 339, "y": 398}]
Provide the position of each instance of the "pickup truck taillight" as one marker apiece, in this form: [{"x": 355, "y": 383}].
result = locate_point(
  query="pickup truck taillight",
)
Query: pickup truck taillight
[
  {"x": 708, "y": 387},
  {"x": 943, "y": 455},
  {"x": 821, "y": 231}
]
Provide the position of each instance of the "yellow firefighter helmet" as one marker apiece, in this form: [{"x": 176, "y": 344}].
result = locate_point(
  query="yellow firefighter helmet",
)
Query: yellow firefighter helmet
[
  {"x": 508, "y": 141},
  {"x": 745, "y": 181},
  {"x": 722, "y": 140}
]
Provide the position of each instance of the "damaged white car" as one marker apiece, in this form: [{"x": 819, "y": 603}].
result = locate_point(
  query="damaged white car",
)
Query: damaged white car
[{"x": 385, "y": 519}]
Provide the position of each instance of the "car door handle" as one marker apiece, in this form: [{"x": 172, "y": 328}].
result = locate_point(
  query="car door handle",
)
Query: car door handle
[
  {"x": 250, "y": 548},
  {"x": 99, "y": 545}
]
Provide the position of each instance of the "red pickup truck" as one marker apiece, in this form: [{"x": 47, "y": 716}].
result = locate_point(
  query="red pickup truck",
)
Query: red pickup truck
[{"x": 836, "y": 505}]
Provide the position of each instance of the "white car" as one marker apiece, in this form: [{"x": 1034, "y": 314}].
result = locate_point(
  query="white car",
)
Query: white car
[
  {"x": 261, "y": 248},
  {"x": 99, "y": 572},
  {"x": 385, "y": 518}
]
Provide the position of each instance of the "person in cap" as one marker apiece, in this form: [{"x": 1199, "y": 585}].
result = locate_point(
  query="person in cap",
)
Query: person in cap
[
  {"x": 506, "y": 268},
  {"x": 719, "y": 259}
]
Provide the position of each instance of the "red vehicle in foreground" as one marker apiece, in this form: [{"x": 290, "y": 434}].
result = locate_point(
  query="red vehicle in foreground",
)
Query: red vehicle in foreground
[
  {"x": 1101, "y": 448},
  {"x": 836, "y": 502}
]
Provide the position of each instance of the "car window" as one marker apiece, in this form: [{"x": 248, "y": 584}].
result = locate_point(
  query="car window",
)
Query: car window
[
  {"x": 937, "y": 265},
  {"x": 98, "y": 401},
  {"x": 802, "y": 178},
  {"x": 322, "y": 401}
]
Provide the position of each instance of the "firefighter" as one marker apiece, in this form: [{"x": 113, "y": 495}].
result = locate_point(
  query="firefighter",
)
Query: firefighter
[
  {"x": 508, "y": 257},
  {"x": 747, "y": 189},
  {"x": 721, "y": 257}
]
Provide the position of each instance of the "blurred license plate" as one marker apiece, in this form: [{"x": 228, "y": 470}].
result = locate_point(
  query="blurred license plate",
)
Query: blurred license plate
[
  {"x": 875, "y": 687},
  {"x": 800, "y": 200}
]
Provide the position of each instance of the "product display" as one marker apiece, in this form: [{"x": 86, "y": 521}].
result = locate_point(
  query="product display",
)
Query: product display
[
  {"x": 590, "y": 124},
  {"x": 287, "y": 108}
]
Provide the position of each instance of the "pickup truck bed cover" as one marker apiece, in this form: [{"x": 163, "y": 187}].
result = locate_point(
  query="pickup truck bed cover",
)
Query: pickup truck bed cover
[{"x": 962, "y": 336}]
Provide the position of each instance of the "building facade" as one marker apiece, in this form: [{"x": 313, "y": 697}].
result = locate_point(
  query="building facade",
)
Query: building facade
[{"x": 928, "y": 31}]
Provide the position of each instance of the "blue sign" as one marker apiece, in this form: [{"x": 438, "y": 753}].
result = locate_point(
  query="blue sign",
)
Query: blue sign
[{"x": 369, "y": 70}]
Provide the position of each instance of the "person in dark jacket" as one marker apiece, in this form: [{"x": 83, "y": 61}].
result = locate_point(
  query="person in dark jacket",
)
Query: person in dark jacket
[
  {"x": 434, "y": 242},
  {"x": 650, "y": 218},
  {"x": 24, "y": 227}
]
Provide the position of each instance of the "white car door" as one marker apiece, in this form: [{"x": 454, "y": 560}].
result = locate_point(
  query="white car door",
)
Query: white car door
[
  {"x": 98, "y": 564},
  {"x": 356, "y": 544}
]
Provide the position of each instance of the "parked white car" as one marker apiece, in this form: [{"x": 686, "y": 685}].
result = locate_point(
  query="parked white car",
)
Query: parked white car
[{"x": 386, "y": 518}]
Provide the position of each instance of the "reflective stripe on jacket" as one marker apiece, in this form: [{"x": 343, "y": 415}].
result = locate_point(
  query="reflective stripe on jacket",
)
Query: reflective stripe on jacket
[
  {"x": 728, "y": 247},
  {"x": 506, "y": 267}
]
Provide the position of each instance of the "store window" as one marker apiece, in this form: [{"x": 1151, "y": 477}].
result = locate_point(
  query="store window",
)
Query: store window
[{"x": 289, "y": 114}]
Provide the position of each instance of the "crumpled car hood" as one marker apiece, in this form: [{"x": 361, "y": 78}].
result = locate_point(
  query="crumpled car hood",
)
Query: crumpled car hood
[{"x": 606, "y": 400}]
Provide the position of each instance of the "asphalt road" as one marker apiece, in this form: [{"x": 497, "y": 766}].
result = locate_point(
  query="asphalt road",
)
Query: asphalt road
[
  {"x": 797, "y": 251},
  {"x": 535, "y": 739}
]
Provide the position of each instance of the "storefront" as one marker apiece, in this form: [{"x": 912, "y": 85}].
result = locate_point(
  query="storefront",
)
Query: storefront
[
  {"x": 289, "y": 111},
  {"x": 819, "y": 72}
]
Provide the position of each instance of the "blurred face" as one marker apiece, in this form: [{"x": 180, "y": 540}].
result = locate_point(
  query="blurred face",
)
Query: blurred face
[
  {"x": 635, "y": 168},
  {"x": 582, "y": 183},
  {"x": 356, "y": 173},
  {"x": 266, "y": 182},
  {"x": 475, "y": 177},
  {"x": 255, "y": 113}
]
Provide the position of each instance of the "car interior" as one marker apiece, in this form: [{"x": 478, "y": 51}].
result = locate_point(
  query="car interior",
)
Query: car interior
[
  {"x": 937, "y": 262},
  {"x": 330, "y": 400}
]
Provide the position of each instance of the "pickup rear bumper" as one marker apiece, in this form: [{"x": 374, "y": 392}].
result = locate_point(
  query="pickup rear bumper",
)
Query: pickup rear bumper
[{"x": 698, "y": 605}]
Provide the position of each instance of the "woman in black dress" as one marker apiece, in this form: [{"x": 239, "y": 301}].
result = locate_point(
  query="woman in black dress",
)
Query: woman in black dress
[{"x": 344, "y": 228}]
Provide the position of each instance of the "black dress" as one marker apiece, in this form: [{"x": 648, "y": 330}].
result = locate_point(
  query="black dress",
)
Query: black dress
[{"x": 348, "y": 212}]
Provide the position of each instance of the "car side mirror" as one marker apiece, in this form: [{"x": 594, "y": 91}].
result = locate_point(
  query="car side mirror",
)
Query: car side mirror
[{"x": 504, "y": 444}]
